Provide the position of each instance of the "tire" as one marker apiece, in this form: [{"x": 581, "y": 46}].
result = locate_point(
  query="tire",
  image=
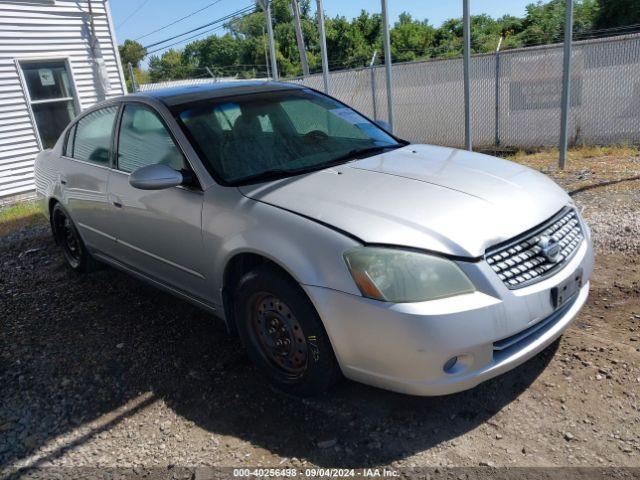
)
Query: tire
[
  {"x": 270, "y": 307},
  {"x": 67, "y": 237}
]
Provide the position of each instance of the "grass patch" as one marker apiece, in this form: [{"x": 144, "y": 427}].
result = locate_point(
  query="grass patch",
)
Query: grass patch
[
  {"x": 20, "y": 215},
  {"x": 586, "y": 165}
]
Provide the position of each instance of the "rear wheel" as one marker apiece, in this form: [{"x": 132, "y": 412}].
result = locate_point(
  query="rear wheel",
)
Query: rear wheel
[
  {"x": 68, "y": 238},
  {"x": 283, "y": 333}
]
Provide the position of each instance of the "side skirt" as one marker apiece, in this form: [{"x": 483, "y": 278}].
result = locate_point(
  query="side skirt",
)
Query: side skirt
[{"x": 209, "y": 307}]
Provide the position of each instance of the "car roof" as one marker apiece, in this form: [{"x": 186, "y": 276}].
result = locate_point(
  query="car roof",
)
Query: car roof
[{"x": 174, "y": 96}]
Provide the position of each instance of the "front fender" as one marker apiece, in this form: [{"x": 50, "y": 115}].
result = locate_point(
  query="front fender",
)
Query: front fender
[{"x": 310, "y": 252}]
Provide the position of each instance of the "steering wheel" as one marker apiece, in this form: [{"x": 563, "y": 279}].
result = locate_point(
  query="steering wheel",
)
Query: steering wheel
[{"x": 315, "y": 136}]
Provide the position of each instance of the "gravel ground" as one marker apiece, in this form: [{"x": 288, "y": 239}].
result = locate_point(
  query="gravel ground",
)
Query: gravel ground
[{"x": 102, "y": 370}]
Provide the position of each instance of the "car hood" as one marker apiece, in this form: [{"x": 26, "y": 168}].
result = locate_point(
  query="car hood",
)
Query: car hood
[{"x": 446, "y": 200}]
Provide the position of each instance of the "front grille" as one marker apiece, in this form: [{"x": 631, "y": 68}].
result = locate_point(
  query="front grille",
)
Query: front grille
[{"x": 521, "y": 261}]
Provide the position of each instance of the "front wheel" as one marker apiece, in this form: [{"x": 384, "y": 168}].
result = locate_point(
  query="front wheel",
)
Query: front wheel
[
  {"x": 283, "y": 333},
  {"x": 67, "y": 237}
]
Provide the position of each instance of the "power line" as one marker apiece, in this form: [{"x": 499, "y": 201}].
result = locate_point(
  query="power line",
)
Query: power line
[
  {"x": 222, "y": 19},
  {"x": 184, "y": 40},
  {"x": 178, "y": 20},
  {"x": 144, "y": 2},
  {"x": 200, "y": 34}
]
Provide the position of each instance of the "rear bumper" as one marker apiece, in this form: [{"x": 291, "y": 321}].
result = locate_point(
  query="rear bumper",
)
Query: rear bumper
[{"x": 404, "y": 347}]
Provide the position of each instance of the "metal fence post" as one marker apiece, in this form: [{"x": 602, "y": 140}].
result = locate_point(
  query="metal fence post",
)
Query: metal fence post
[
  {"x": 566, "y": 83},
  {"x": 468, "y": 141},
  {"x": 266, "y": 6},
  {"x": 373, "y": 85},
  {"x": 300, "y": 38},
  {"x": 266, "y": 56},
  {"x": 387, "y": 61},
  {"x": 497, "y": 124},
  {"x": 134, "y": 85},
  {"x": 323, "y": 47}
]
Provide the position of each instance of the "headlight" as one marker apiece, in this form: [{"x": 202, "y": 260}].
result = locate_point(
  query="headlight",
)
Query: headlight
[{"x": 401, "y": 276}]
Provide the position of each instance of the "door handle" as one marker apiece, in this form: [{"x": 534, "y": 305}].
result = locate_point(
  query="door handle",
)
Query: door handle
[{"x": 117, "y": 204}]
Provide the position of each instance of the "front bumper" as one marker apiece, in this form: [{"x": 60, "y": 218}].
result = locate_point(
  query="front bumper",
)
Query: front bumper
[{"x": 404, "y": 347}]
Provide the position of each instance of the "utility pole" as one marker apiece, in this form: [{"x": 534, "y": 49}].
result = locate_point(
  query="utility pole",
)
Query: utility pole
[
  {"x": 300, "y": 38},
  {"x": 323, "y": 46},
  {"x": 466, "y": 33},
  {"x": 566, "y": 84},
  {"x": 387, "y": 61},
  {"x": 266, "y": 6}
]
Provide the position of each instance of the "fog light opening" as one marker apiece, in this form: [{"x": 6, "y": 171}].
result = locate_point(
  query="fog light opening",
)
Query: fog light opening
[
  {"x": 449, "y": 366},
  {"x": 458, "y": 364}
]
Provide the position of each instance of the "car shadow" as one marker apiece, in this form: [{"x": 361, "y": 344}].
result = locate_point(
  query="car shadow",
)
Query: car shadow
[{"x": 75, "y": 348}]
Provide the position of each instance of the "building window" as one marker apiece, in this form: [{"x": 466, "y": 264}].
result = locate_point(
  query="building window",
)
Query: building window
[{"x": 51, "y": 97}]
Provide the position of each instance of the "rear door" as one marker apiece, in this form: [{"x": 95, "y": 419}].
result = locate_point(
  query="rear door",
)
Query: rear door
[
  {"x": 85, "y": 166},
  {"x": 159, "y": 233}
]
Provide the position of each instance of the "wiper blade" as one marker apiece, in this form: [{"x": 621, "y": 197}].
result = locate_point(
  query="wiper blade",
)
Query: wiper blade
[
  {"x": 266, "y": 175},
  {"x": 278, "y": 173},
  {"x": 358, "y": 152}
]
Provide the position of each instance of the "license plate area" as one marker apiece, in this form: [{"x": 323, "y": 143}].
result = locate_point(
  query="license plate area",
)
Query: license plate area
[{"x": 567, "y": 289}]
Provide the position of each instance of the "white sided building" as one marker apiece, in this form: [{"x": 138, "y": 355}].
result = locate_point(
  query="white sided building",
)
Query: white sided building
[{"x": 57, "y": 57}]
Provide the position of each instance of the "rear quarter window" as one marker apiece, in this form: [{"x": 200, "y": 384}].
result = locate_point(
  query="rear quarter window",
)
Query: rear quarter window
[{"x": 68, "y": 144}]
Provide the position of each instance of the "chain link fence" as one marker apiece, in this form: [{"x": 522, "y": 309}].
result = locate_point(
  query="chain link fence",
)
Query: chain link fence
[{"x": 515, "y": 95}]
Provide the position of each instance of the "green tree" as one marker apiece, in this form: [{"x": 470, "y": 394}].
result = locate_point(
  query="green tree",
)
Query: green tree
[
  {"x": 618, "y": 13},
  {"x": 448, "y": 39},
  {"x": 351, "y": 43},
  {"x": 220, "y": 54},
  {"x": 544, "y": 22},
  {"x": 411, "y": 39},
  {"x": 131, "y": 52},
  {"x": 171, "y": 65}
]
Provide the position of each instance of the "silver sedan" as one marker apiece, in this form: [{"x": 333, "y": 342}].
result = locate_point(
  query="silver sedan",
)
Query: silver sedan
[{"x": 329, "y": 245}]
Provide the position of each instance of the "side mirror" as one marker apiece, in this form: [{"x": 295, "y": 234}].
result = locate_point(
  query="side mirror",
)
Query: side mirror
[
  {"x": 383, "y": 124},
  {"x": 155, "y": 177}
]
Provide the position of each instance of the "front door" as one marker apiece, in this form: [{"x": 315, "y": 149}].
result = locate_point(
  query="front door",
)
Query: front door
[{"x": 159, "y": 232}]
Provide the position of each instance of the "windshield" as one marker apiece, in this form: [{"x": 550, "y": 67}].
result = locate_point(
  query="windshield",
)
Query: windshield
[{"x": 277, "y": 134}]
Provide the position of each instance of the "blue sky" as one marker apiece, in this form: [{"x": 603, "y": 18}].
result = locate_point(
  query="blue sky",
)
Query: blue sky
[{"x": 151, "y": 14}]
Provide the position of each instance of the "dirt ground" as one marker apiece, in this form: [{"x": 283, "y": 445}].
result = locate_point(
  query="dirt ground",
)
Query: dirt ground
[{"x": 102, "y": 370}]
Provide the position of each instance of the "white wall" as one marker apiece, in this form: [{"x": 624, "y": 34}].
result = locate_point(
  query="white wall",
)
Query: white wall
[{"x": 54, "y": 29}]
